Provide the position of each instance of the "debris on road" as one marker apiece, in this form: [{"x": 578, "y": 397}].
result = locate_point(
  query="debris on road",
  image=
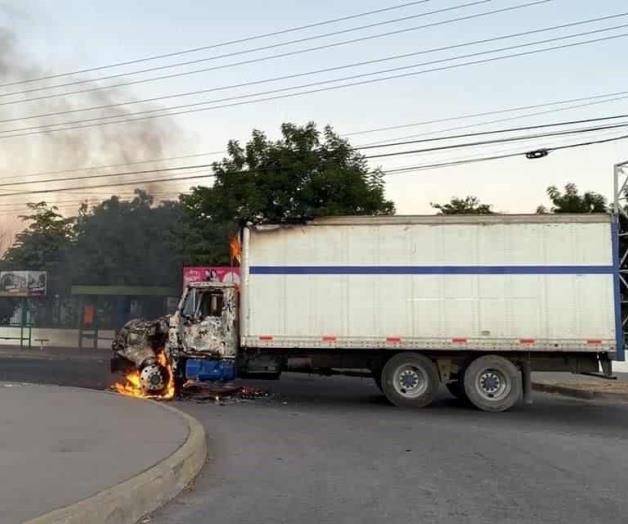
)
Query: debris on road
[{"x": 221, "y": 393}]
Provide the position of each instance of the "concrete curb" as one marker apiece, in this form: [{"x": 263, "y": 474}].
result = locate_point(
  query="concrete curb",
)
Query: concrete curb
[
  {"x": 129, "y": 501},
  {"x": 586, "y": 394}
]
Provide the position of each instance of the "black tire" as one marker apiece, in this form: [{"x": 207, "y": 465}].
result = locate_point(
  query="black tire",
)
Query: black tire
[
  {"x": 456, "y": 388},
  {"x": 493, "y": 383},
  {"x": 410, "y": 380}
]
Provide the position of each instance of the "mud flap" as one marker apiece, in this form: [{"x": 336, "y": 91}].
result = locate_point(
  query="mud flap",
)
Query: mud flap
[{"x": 526, "y": 375}]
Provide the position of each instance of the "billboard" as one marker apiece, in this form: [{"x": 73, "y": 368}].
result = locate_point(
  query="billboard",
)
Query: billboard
[
  {"x": 23, "y": 283},
  {"x": 211, "y": 273}
]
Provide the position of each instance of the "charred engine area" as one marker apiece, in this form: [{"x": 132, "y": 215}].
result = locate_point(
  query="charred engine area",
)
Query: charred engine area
[{"x": 197, "y": 343}]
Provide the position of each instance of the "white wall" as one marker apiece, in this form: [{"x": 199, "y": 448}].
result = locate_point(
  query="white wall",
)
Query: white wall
[{"x": 64, "y": 338}]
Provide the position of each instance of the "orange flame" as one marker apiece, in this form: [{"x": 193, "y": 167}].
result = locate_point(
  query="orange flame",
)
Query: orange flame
[{"x": 133, "y": 388}]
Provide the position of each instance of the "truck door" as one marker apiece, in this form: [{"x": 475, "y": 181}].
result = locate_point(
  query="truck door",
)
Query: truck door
[{"x": 209, "y": 322}]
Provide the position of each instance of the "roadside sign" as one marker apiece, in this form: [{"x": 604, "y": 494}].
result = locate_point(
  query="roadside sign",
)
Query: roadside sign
[{"x": 23, "y": 283}]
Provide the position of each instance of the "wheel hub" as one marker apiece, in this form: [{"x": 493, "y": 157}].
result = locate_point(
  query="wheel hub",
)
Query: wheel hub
[
  {"x": 152, "y": 378},
  {"x": 410, "y": 381},
  {"x": 492, "y": 384}
]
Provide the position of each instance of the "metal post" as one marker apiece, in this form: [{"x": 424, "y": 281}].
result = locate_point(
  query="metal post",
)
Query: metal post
[
  {"x": 22, "y": 321},
  {"x": 620, "y": 219},
  {"x": 620, "y": 184}
]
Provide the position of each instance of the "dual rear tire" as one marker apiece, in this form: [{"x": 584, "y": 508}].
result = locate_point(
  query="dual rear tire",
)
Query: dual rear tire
[
  {"x": 410, "y": 380},
  {"x": 493, "y": 383},
  {"x": 490, "y": 382}
]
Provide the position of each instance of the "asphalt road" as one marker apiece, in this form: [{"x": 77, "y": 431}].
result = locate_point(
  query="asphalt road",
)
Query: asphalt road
[
  {"x": 331, "y": 450},
  {"x": 87, "y": 369}
]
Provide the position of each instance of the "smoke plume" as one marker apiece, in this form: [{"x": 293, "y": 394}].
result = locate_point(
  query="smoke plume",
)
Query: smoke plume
[{"x": 72, "y": 149}]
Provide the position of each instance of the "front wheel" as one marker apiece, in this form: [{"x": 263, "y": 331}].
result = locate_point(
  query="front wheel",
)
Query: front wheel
[
  {"x": 493, "y": 383},
  {"x": 410, "y": 380}
]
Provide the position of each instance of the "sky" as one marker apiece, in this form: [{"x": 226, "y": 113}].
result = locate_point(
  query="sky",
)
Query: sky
[{"x": 58, "y": 36}]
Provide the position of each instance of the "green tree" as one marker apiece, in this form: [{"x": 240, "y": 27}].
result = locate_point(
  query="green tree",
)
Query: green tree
[
  {"x": 571, "y": 201},
  {"x": 128, "y": 243},
  {"x": 43, "y": 244},
  {"x": 469, "y": 205},
  {"x": 302, "y": 175}
]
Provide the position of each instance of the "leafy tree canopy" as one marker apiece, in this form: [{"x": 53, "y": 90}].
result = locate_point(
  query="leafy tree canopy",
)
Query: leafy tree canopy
[
  {"x": 469, "y": 205},
  {"x": 304, "y": 174},
  {"x": 571, "y": 201},
  {"x": 115, "y": 243},
  {"x": 128, "y": 243},
  {"x": 42, "y": 242}
]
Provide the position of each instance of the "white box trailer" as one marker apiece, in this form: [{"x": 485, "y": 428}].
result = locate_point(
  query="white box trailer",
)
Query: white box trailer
[
  {"x": 472, "y": 302},
  {"x": 478, "y": 283},
  {"x": 434, "y": 298}
]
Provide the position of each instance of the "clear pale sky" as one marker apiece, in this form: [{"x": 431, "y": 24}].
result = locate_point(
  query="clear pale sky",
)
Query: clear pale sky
[{"x": 64, "y": 35}]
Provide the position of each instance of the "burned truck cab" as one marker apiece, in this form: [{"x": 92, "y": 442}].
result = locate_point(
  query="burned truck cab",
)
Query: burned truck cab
[
  {"x": 199, "y": 342},
  {"x": 203, "y": 335}
]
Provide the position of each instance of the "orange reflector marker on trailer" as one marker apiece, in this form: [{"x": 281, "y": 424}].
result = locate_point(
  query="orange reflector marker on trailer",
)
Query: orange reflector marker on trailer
[{"x": 459, "y": 340}]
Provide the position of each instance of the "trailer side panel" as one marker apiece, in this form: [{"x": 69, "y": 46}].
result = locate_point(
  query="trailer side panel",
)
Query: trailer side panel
[{"x": 537, "y": 283}]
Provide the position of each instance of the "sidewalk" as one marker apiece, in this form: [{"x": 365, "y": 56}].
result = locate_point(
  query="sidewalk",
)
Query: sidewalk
[
  {"x": 61, "y": 445},
  {"x": 582, "y": 386}
]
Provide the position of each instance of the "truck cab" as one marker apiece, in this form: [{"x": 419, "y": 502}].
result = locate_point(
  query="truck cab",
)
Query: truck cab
[{"x": 203, "y": 334}]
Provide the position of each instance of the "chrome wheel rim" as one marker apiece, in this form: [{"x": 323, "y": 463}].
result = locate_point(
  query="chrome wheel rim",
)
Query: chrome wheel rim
[
  {"x": 492, "y": 384},
  {"x": 410, "y": 381}
]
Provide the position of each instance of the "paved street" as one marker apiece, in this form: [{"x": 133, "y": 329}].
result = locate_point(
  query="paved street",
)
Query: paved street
[
  {"x": 80, "y": 368},
  {"x": 335, "y": 452},
  {"x": 331, "y": 450}
]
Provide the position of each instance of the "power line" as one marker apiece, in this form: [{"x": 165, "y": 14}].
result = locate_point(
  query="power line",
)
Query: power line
[
  {"x": 495, "y": 121},
  {"x": 69, "y": 125},
  {"x": 105, "y": 166},
  {"x": 263, "y": 59},
  {"x": 214, "y": 46},
  {"x": 439, "y": 139},
  {"x": 324, "y": 70},
  {"x": 496, "y": 141},
  {"x": 387, "y": 172},
  {"x": 485, "y": 113},
  {"x": 500, "y": 157},
  {"x": 594, "y": 98},
  {"x": 100, "y": 197},
  {"x": 117, "y": 184},
  {"x": 247, "y": 51},
  {"x": 500, "y": 131},
  {"x": 196, "y": 167},
  {"x": 125, "y": 173},
  {"x": 390, "y": 171}
]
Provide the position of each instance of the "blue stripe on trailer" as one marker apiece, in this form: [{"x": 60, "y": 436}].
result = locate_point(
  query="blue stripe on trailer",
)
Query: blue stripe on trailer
[
  {"x": 619, "y": 329},
  {"x": 438, "y": 270}
]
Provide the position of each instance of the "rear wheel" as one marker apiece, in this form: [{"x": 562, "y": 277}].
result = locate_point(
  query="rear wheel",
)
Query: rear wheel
[
  {"x": 410, "y": 380},
  {"x": 493, "y": 383}
]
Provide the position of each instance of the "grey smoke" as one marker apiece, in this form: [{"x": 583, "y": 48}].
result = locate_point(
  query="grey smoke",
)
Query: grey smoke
[{"x": 111, "y": 144}]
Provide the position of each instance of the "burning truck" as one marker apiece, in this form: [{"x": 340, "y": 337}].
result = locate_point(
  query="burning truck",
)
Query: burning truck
[
  {"x": 475, "y": 303},
  {"x": 196, "y": 343}
]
